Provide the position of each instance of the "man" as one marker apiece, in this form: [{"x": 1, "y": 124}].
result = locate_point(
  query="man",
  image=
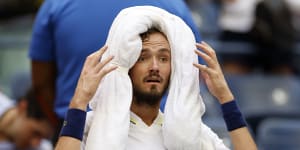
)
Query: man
[
  {"x": 66, "y": 31},
  {"x": 24, "y": 126},
  {"x": 150, "y": 78}
]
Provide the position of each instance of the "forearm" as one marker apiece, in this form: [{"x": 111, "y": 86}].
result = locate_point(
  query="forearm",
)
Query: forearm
[
  {"x": 236, "y": 125},
  {"x": 238, "y": 131},
  {"x": 72, "y": 130},
  {"x": 73, "y": 127},
  {"x": 242, "y": 140},
  {"x": 45, "y": 93},
  {"x": 90, "y": 77},
  {"x": 217, "y": 85},
  {"x": 43, "y": 83},
  {"x": 68, "y": 143}
]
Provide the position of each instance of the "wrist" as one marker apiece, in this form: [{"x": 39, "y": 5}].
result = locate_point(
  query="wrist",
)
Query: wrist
[
  {"x": 74, "y": 123},
  {"x": 78, "y": 103},
  {"x": 225, "y": 98},
  {"x": 232, "y": 116}
]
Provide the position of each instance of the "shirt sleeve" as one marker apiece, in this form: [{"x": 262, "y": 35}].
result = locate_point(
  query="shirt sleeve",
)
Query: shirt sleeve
[{"x": 42, "y": 43}]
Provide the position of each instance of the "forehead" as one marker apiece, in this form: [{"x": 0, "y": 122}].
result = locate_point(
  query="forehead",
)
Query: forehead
[{"x": 156, "y": 40}]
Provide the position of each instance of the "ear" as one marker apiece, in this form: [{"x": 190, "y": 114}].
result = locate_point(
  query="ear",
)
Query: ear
[{"x": 22, "y": 106}]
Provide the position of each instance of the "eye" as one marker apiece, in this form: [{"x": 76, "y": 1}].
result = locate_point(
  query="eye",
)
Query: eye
[
  {"x": 163, "y": 59},
  {"x": 141, "y": 59}
]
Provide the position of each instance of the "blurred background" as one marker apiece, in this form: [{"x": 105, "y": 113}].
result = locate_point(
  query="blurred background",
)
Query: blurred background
[
  {"x": 16, "y": 20},
  {"x": 258, "y": 45}
]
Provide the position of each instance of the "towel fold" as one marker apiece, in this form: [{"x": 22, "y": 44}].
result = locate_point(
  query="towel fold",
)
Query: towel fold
[{"x": 182, "y": 127}]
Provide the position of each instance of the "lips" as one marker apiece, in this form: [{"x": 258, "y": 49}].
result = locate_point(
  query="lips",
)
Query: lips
[{"x": 154, "y": 79}]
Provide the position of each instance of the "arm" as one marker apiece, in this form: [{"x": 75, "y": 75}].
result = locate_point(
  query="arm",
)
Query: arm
[
  {"x": 43, "y": 82},
  {"x": 92, "y": 73},
  {"x": 217, "y": 85},
  {"x": 242, "y": 140}
]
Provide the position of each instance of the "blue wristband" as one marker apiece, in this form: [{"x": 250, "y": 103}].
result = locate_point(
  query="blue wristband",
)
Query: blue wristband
[
  {"x": 232, "y": 116},
  {"x": 74, "y": 123}
]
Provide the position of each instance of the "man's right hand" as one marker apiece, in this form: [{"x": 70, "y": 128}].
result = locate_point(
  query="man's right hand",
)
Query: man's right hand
[{"x": 92, "y": 73}]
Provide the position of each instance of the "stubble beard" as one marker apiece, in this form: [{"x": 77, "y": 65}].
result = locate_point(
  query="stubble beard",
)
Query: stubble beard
[{"x": 151, "y": 98}]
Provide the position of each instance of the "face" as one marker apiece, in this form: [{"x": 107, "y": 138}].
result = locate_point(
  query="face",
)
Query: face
[
  {"x": 150, "y": 75},
  {"x": 30, "y": 132}
]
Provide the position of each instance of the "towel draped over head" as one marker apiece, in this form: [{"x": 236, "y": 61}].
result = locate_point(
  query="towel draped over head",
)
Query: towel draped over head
[{"x": 111, "y": 103}]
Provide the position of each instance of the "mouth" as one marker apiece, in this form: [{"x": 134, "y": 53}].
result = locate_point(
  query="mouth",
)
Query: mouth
[{"x": 153, "y": 80}]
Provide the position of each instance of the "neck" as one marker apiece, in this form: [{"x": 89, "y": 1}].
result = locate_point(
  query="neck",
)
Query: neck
[{"x": 147, "y": 113}]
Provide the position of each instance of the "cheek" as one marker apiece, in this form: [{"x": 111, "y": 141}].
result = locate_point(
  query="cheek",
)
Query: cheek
[
  {"x": 137, "y": 80},
  {"x": 137, "y": 73},
  {"x": 166, "y": 72}
]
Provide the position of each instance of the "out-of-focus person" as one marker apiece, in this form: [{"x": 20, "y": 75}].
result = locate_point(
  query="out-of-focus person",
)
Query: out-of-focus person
[
  {"x": 236, "y": 19},
  {"x": 275, "y": 37},
  {"x": 265, "y": 30},
  {"x": 23, "y": 125}
]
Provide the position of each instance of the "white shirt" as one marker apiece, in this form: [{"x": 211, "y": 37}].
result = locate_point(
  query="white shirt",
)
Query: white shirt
[{"x": 142, "y": 136}]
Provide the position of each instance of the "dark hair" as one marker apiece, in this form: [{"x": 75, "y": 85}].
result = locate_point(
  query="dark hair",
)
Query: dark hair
[
  {"x": 144, "y": 36},
  {"x": 34, "y": 109}
]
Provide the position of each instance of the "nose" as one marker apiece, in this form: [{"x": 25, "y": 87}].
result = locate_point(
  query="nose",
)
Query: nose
[{"x": 154, "y": 65}]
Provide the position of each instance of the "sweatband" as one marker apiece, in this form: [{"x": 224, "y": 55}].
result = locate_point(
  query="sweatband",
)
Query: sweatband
[
  {"x": 74, "y": 123},
  {"x": 232, "y": 116}
]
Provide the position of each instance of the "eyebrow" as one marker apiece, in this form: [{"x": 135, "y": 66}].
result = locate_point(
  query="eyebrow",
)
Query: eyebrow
[
  {"x": 165, "y": 50},
  {"x": 160, "y": 50}
]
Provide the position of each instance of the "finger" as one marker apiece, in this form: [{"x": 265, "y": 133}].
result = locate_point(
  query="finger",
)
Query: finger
[
  {"x": 107, "y": 70},
  {"x": 96, "y": 56},
  {"x": 207, "y": 59},
  {"x": 101, "y": 64},
  {"x": 207, "y": 49},
  {"x": 207, "y": 45},
  {"x": 204, "y": 69},
  {"x": 101, "y": 51}
]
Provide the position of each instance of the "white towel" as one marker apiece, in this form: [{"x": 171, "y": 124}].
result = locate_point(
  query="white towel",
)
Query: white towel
[{"x": 182, "y": 126}]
